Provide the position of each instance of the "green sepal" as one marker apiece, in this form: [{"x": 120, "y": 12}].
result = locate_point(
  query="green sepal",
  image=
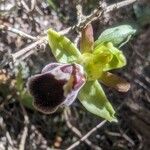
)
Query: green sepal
[
  {"x": 95, "y": 101},
  {"x": 62, "y": 48},
  {"x": 117, "y": 35}
]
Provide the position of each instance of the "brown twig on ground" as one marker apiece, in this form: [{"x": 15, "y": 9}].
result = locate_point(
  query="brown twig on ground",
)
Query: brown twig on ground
[
  {"x": 77, "y": 132},
  {"x": 10, "y": 140},
  {"x": 97, "y": 13},
  {"x": 122, "y": 134},
  {"x": 29, "y": 10},
  {"x": 25, "y": 130},
  {"x": 25, "y": 50},
  {"x": 119, "y": 5},
  {"x": 33, "y": 5},
  {"x": 142, "y": 85},
  {"x": 18, "y": 32},
  {"x": 80, "y": 15},
  {"x": 86, "y": 135},
  {"x": 8, "y": 136}
]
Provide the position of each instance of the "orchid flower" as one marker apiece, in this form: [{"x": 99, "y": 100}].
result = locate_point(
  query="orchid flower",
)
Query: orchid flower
[
  {"x": 77, "y": 73},
  {"x": 57, "y": 85}
]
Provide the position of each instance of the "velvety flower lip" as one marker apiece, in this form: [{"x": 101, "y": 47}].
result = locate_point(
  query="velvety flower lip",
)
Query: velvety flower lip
[{"x": 57, "y": 85}]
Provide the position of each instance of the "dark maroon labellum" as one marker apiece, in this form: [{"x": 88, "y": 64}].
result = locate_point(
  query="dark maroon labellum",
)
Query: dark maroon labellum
[{"x": 57, "y": 85}]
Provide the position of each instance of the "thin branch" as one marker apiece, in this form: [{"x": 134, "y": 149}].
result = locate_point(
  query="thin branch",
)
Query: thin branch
[
  {"x": 127, "y": 138},
  {"x": 119, "y": 5},
  {"x": 88, "y": 19},
  {"x": 77, "y": 39},
  {"x": 97, "y": 13},
  {"x": 78, "y": 133},
  {"x": 18, "y": 32},
  {"x": 122, "y": 134},
  {"x": 80, "y": 15},
  {"x": 23, "y": 138},
  {"x": 142, "y": 85},
  {"x": 29, "y": 10},
  {"x": 25, "y": 130},
  {"x": 25, "y": 5},
  {"x": 33, "y": 4},
  {"x": 86, "y": 135},
  {"x": 23, "y": 51},
  {"x": 10, "y": 140}
]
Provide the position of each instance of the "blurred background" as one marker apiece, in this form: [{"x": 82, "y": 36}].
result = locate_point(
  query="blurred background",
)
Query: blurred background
[{"x": 21, "y": 127}]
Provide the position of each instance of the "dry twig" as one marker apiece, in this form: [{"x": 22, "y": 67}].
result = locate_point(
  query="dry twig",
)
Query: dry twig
[
  {"x": 10, "y": 140},
  {"x": 86, "y": 135},
  {"x": 18, "y": 32},
  {"x": 96, "y": 14},
  {"x": 27, "y": 49},
  {"x": 25, "y": 130},
  {"x": 78, "y": 133},
  {"x": 8, "y": 136},
  {"x": 29, "y": 10}
]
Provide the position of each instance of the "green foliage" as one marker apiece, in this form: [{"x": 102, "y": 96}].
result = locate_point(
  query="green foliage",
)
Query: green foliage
[
  {"x": 117, "y": 35},
  {"x": 24, "y": 96},
  {"x": 95, "y": 101},
  {"x": 52, "y": 4}
]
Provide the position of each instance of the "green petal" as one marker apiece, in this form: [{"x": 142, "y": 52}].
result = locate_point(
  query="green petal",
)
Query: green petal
[
  {"x": 94, "y": 100},
  {"x": 94, "y": 63},
  {"x": 117, "y": 35},
  {"x": 118, "y": 60},
  {"x": 62, "y": 48}
]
